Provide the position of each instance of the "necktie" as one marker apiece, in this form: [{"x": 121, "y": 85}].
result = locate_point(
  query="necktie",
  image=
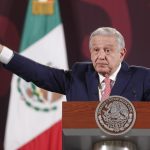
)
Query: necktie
[{"x": 107, "y": 89}]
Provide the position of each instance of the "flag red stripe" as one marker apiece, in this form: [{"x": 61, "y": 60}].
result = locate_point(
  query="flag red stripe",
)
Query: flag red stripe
[{"x": 51, "y": 139}]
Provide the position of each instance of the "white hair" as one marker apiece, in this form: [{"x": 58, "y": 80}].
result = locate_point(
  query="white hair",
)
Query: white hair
[{"x": 108, "y": 31}]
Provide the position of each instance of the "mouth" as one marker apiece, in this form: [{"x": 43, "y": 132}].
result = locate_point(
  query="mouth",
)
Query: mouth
[{"x": 102, "y": 64}]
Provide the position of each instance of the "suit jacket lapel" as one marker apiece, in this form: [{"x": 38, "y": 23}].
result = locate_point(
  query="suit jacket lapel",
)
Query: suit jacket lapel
[
  {"x": 92, "y": 84},
  {"x": 122, "y": 80}
]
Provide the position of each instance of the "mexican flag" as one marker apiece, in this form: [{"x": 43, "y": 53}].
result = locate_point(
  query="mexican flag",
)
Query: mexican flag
[{"x": 34, "y": 115}]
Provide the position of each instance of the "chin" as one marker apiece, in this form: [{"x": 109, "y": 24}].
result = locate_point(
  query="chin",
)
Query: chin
[{"x": 102, "y": 71}]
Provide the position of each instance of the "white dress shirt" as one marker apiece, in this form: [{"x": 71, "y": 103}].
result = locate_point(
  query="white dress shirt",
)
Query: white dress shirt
[
  {"x": 6, "y": 55},
  {"x": 101, "y": 86}
]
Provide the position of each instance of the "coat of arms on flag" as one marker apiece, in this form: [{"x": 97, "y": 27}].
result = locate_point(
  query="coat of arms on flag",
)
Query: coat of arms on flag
[{"x": 35, "y": 97}]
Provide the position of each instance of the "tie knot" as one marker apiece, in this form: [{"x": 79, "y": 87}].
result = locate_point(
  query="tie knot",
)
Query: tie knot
[{"x": 107, "y": 80}]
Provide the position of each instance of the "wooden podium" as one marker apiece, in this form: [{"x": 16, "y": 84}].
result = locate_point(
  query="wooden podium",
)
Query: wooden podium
[{"x": 80, "y": 131}]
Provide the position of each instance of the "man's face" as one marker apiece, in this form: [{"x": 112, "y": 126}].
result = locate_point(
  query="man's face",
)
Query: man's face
[{"x": 105, "y": 54}]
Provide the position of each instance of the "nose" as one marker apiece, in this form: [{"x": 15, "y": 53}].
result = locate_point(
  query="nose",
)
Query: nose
[{"x": 101, "y": 54}]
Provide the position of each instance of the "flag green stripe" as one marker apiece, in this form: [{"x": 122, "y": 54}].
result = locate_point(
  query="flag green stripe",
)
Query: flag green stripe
[{"x": 36, "y": 26}]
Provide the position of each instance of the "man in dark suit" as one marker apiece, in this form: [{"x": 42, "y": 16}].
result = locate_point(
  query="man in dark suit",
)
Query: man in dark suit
[{"x": 88, "y": 81}]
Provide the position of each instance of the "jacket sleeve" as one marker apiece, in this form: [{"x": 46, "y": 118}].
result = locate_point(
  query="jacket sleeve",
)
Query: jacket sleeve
[{"x": 52, "y": 79}]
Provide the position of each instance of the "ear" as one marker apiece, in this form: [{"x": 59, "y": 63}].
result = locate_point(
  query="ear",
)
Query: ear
[{"x": 123, "y": 52}]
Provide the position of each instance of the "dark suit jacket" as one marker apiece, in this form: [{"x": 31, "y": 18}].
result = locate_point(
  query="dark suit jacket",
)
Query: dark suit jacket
[{"x": 81, "y": 83}]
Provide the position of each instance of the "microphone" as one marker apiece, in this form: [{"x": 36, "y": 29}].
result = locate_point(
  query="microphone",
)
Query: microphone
[
  {"x": 134, "y": 92},
  {"x": 100, "y": 86}
]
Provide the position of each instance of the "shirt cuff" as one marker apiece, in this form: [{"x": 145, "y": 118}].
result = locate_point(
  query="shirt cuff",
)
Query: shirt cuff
[{"x": 6, "y": 55}]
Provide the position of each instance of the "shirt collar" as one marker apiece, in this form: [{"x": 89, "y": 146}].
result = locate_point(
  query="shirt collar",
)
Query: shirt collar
[{"x": 112, "y": 77}]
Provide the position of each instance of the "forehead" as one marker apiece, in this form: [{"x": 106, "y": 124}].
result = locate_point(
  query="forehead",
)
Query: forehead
[{"x": 103, "y": 40}]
